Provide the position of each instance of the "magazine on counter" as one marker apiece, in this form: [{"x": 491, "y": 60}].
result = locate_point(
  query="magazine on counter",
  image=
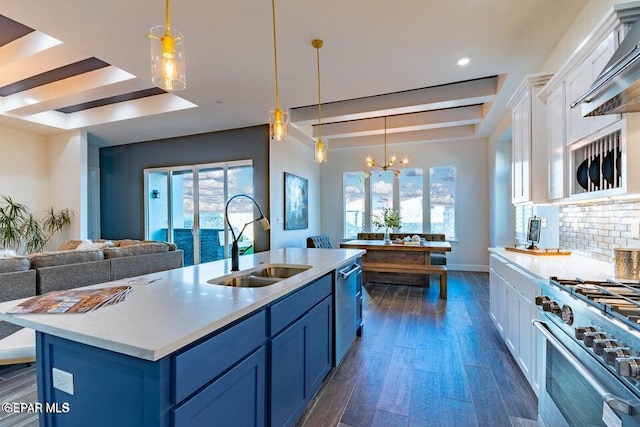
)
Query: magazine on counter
[{"x": 72, "y": 301}]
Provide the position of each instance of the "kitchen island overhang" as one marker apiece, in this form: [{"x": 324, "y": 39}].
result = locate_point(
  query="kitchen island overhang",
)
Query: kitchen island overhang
[{"x": 181, "y": 307}]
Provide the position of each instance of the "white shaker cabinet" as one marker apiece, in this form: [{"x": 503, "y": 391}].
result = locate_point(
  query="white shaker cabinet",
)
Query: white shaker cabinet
[
  {"x": 529, "y": 148},
  {"x": 521, "y": 150},
  {"x": 556, "y": 137},
  {"x": 512, "y": 306},
  {"x": 578, "y": 83}
]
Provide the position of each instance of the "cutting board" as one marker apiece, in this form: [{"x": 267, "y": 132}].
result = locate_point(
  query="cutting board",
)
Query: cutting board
[{"x": 542, "y": 252}]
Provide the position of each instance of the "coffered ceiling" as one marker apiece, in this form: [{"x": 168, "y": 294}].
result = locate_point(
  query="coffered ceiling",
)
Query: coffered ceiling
[{"x": 85, "y": 64}]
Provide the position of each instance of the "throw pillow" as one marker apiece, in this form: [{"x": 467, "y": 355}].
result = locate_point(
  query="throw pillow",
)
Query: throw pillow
[
  {"x": 6, "y": 253},
  {"x": 87, "y": 245}
]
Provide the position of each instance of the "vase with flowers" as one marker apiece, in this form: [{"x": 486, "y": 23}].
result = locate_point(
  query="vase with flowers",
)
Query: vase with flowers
[{"x": 388, "y": 219}]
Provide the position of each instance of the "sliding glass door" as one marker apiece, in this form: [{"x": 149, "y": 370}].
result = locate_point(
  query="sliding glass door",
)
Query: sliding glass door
[{"x": 185, "y": 205}]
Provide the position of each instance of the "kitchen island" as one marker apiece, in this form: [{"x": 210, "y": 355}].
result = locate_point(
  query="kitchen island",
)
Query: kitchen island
[{"x": 182, "y": 351}]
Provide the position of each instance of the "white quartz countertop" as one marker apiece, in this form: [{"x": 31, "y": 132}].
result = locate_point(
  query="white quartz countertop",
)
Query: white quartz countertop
[
  {"x": 180, "y": 307},
  {"x": 562, "y": 266}
]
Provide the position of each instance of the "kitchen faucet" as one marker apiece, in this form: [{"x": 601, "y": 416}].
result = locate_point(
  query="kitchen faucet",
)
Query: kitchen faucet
[{"x": 235, "y": 252}]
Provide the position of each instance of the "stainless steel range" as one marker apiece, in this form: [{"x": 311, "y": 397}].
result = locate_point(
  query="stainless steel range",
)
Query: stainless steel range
[{"x": 592, "y": 367}]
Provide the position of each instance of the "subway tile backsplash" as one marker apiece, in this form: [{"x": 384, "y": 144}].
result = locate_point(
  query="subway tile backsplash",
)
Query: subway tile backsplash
[{"x": 595, "y": 230}]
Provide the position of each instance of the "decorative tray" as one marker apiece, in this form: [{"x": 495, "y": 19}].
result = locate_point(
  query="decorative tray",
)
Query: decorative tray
[{"x": 548, "y": 251}]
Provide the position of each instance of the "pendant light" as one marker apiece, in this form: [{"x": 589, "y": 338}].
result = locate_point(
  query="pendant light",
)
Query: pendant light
[
  {"x": 392, "y": 165},
  {"x": 167, "y": 56},
  {"x": 320, "y": 151},
  {"x": 278, "y": 117}
]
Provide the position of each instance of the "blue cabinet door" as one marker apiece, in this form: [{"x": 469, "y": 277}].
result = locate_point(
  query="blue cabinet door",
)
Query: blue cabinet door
[
  {"x": 288, "y": 398},
  {"x": 236, "y": 399},
  {"x": 318, "y": 345},
  {"x": 300, "y": 359}
]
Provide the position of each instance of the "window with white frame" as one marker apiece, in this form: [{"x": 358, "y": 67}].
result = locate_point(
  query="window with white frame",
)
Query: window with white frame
[
  {"x": 381, "y": 191},
  {"x": 354, "y": 203},
  {"x": 410, "y": 183},
  {"x": 442, "y": 198},
  {"x": 523, "y": 213},
  {"x": 406, "y": 194}
]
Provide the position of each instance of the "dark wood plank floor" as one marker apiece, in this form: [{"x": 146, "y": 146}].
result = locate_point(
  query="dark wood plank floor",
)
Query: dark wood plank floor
[
  {"x": 423, "y": 361},
  {"x": 18, "y": 384}
]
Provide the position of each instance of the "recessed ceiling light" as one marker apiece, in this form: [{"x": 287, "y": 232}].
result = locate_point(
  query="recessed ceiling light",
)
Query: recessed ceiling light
[{"x": 463, "y": 61}]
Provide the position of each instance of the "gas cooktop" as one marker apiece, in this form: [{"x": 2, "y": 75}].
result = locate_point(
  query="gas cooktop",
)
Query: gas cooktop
[{"x": 619, "y": 299}]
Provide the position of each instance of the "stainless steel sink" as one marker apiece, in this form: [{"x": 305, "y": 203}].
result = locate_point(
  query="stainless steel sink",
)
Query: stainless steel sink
[
  {"x": 280, "y": 271},
  {"x": 248, "y": 281},
  {"x": 260, "y": 276}
]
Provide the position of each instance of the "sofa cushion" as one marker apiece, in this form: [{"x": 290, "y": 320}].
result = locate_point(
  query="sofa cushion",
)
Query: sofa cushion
[
  {"x": 14, "y": 263},
  {"x": 138, "y": 249},
  {"x": 49, "y": 259}
]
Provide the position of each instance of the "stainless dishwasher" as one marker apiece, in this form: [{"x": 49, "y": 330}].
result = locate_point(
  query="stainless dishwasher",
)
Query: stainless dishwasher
[{"x": 348, "y": 307}]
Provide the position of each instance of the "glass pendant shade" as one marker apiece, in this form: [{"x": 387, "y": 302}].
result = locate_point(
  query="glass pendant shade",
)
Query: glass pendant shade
[
  {"x": 167, "y": 58},
  {"x": 278, "y": 123},
  {"x": 321, "y": 150}
]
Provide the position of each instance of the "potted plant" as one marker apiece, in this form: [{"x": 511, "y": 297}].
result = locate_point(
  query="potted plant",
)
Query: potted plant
[
  {"x": 389, "y": 219},
  {"x": 21, "y": 229}
]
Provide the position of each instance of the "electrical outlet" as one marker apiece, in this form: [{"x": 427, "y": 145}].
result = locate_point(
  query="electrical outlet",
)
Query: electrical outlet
[
  {"x": 543, "y": 222},
  {"x": 279, "y": 220},
  {"x": 62, "y": 380}
]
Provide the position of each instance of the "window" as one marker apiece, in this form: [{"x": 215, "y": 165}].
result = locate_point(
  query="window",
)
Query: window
[
  {"x": 185, "y": 205},
  {"x": 523, "y": 213},
  {"x": 381, "y": 192},
  {"x": 442, "y": 198},
  {"x": 406, "y": 194},
  {"x": 353, "y": 193},
  {"x": 410, "y": 185}
]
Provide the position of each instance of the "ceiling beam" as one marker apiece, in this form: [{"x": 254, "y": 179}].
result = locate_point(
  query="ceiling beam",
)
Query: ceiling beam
[
  {"x": 471, "y": 92},
  {"x": 429, "y": 135},
  {"x": 404, "y": 122},
  {"x": 111, "y": 113},
  {"x": 85, "y": 87},
  {"x": 40, "y": 62}
]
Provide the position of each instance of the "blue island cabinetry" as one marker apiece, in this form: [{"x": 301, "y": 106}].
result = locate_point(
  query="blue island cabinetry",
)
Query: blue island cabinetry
[{"x": 261, "y": 370}]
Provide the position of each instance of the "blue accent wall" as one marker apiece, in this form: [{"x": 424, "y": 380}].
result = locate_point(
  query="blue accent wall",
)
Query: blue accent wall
[{"x": 122, "y": 177}]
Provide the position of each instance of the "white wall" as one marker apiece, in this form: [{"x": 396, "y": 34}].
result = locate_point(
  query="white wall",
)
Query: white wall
[
  {"x": 296, "y": 157},
  {"x": 24, "y": 168},
  {"x": 43, "y": 172},
  {"x": 68, "y": 180},
  {"x": 470, "y": 157},
  {"x": 501, "y": 223}
]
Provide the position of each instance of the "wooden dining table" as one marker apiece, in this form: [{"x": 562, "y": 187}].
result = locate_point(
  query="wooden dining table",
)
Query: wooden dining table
[{"x": 404, "y": 263}]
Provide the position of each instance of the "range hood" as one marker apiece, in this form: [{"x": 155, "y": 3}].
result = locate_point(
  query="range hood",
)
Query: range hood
[{"x": 617, "y": 88}]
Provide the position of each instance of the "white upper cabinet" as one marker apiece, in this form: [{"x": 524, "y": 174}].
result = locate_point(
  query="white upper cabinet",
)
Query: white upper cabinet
[
  {"x": 578, "y": 83},
  {"x": 529, "y": 149},
  {"x": 588, "y": 157},
  {"x": 556, "y": 119}
]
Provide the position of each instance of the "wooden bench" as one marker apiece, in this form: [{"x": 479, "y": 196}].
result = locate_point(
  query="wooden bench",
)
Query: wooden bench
[{"x": 384, "y": 267}]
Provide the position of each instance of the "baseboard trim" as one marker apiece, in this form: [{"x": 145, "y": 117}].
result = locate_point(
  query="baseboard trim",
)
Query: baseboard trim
[{"x": 468, "y": 267}]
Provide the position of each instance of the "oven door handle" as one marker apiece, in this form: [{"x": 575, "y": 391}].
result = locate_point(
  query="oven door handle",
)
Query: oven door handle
[{"x": 614, "y": 402}]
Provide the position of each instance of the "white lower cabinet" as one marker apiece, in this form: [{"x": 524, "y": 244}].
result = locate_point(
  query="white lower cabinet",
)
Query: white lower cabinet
[{"x": 512, "y": 306}]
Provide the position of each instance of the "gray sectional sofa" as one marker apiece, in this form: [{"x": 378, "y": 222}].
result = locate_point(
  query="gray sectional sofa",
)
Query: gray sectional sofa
[{"x": 25, "y": 276}]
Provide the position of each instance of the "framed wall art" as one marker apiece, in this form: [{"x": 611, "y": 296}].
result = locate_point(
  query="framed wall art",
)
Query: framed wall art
[{"x": 296, "y": 202}]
